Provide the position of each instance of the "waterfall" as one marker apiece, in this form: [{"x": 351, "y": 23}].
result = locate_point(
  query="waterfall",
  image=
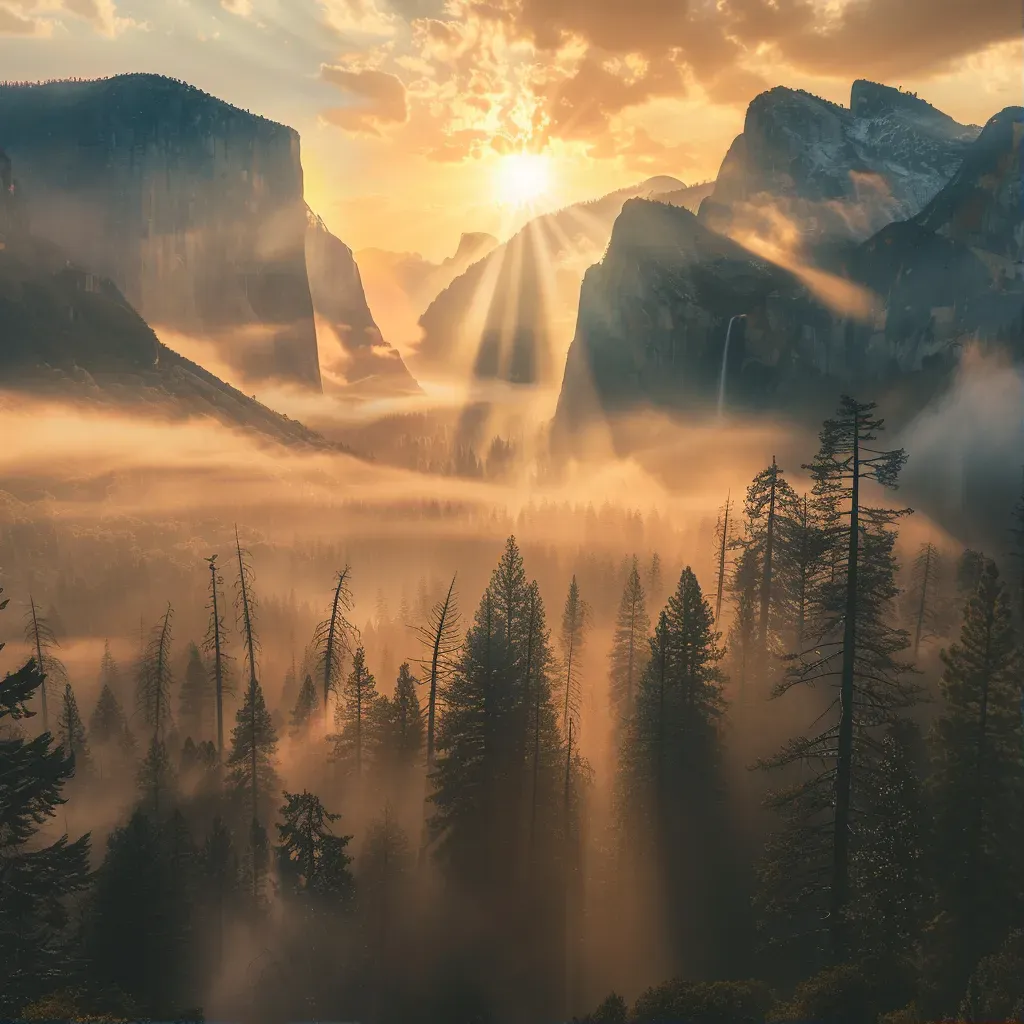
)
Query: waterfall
[{"x": 725, "y": 360}]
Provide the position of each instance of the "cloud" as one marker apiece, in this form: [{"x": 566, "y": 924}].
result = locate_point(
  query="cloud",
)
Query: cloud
[
  {"x": 14, "y": 24},
  {"x": 378, "y": 99},
  {"x": 101, "y": 14},
  {"x": 358, "y": 17},
  {"x": 243, "y": 8}
]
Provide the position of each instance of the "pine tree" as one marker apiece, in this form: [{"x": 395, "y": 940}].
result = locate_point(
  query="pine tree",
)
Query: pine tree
[
  {"x": 889, "y": 862},
  {"x": 109, "y": 729},
  {"x": 669, "y": 785},
  {"x": 153, "y": 686},
  {"x": 110, "y": 672},
  {"x": 139, "y": 923},
  {"x": 332, "y": 640},
  {"x": 442, "y": 642},
  {"x": 803, "y": 548},
  {"x": 41, "y": 638},
  {"x": 969, "y": 570},
  {"x": 723, "y": 541},
  {"x": 744, "y": 587},
  {"x": 215, "y": 647},
  {"x": 654, "y": 577},
  {"x": 71, "y": 734},
  {"x": 195, "y": 695},
  {"x": 978, "y": 778},
  {"x": 158, "y": 780},
  {"x": 354, "y": 717},
  {"x": 629, "y": 647},
  {"x": 404, "y": 738},
  {"x": 313, "y": 861},
  {"x": 219, "y": 871},
  {"x": 36, "y": 879},
  {"x": 1017, "y": 532},
  {"x": 573, "y": 635},
  {"x": 252, "y": 780},
  {"x": 305, "y": 708},
  {"x": 498, "y": 776},
  {"x": 853, "y": 653},
  {"x": 925, "y": 581}
]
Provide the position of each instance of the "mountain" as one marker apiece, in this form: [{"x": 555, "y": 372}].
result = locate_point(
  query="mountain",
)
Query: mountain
[
  {"x": 956, "y": 269},
  {"x": 69, "y": 332},
  {"x": 400, "y": 285},
  {"x": 510, "y": 315},
  {"x": 833, "y": 171},
  {"x": 353, "y": 353},
  {"x": 194, "y": 209},
  {"x": 679, "y": 317}
]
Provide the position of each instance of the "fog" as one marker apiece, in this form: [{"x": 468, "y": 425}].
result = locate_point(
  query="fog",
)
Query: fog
[{"x": 108, "y": 514}]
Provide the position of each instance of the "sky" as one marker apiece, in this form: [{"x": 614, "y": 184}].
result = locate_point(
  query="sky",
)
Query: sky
[{"x": 410, "y": 109}]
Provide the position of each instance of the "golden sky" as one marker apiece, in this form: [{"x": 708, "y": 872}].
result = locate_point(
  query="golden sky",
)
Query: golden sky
[{"x": 406, "y": 107}]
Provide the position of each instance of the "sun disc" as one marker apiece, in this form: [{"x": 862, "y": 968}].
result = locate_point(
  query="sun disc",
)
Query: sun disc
[{"x": 523, "y": 178}]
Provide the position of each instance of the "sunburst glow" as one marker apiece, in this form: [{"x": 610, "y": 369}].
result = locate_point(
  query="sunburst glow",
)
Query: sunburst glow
[{"x": 523, "y": 179}]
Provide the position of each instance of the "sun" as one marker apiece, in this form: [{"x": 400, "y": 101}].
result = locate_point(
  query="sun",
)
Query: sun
[{"x": 523, "y": 179}]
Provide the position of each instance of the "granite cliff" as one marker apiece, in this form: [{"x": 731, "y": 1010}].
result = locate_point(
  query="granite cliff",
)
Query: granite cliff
[
  {"x": 679, "y": 317},
  {"x": 836, "y": 172},
  {"x": 192, "y": 207}
]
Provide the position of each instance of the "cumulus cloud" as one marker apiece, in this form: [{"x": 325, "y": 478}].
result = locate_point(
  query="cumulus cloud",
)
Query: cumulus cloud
[
  {"x": 377, "y": 98},
  {"x": 243, "y": 8},
  {"x": 39, "y": 17},
  {"x": 14, "y": 23}
]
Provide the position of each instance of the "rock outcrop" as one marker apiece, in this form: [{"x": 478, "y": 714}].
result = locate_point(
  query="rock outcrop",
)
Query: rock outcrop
[
  {"x": 653, "y": 328},
  {"x": 192, "y": 207},
  {"x": 833, "y": 171},
  {"x": 353, "y": 354}
]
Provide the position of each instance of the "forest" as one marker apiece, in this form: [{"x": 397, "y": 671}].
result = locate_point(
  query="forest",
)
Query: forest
[{"x": 792, "y": 793}]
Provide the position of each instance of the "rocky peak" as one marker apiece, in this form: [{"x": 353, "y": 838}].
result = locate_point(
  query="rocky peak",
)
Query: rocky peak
[
  {"x": 473, "y": 245},
  {"x": 837, "y": 172}
]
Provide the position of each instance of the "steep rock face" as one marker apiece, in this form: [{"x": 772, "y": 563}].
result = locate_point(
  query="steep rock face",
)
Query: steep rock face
[
  {"x": 510, "y": 315},
  {"x": 355, "y": 354},
  {"x": 192, "y": 207},
  {"x": 654, "y": 314},
  {"x": 954, "y": 271},
  {"x": 655, "y": 317},
  {"x": 835, "y": 172},
  {"x": 67, "y": 332}
]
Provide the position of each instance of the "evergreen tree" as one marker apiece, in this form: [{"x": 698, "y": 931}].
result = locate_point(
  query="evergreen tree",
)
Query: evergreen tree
[
  {"x": 110, "y": 672},
  {"x": 744, "y": 587},
  {"x": 723, "y": 542},
  {"x": 252, "y": 781},
  {"x": 215, "y": 646},
  {"x": 892, "y": 884},
  {"x": 158, "y": 781},
  {"x": 36, "y": 879},
  {"x": 969, "y": 570},
  {"x": 978, "y": 779},
  {"x": 109, "y": 729},
  {"x": 219, "y": 874},
  {"x": 497, "y": 785},
  {"x": 629, "y": 647},
  {"x": 654, "y": 577},
  {"x": 924, "y": 586},
  {"x": 441, "y": 641},
  {"x": 153, "y": 686},
  {"x": 195, "y": 695},
  {"x": 41, "y": 638},
  {"x": 854, "y": 654},
  {"x": 305, "y": 708},
  {"x": 71, "y": 734},
  {"x": 354, "y": 718},
  {"x": 669, "y": 785},
  {"x": 139, "y": 924},
  {"x": 333, "y": 637},
  {"x": 404, "y": 738},
  {"x": 313, "y": 861},
  {"x": 572, "y": 637},
  {"x": 803, "y": 550},
  {"x": 1017, "y": 532}
]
